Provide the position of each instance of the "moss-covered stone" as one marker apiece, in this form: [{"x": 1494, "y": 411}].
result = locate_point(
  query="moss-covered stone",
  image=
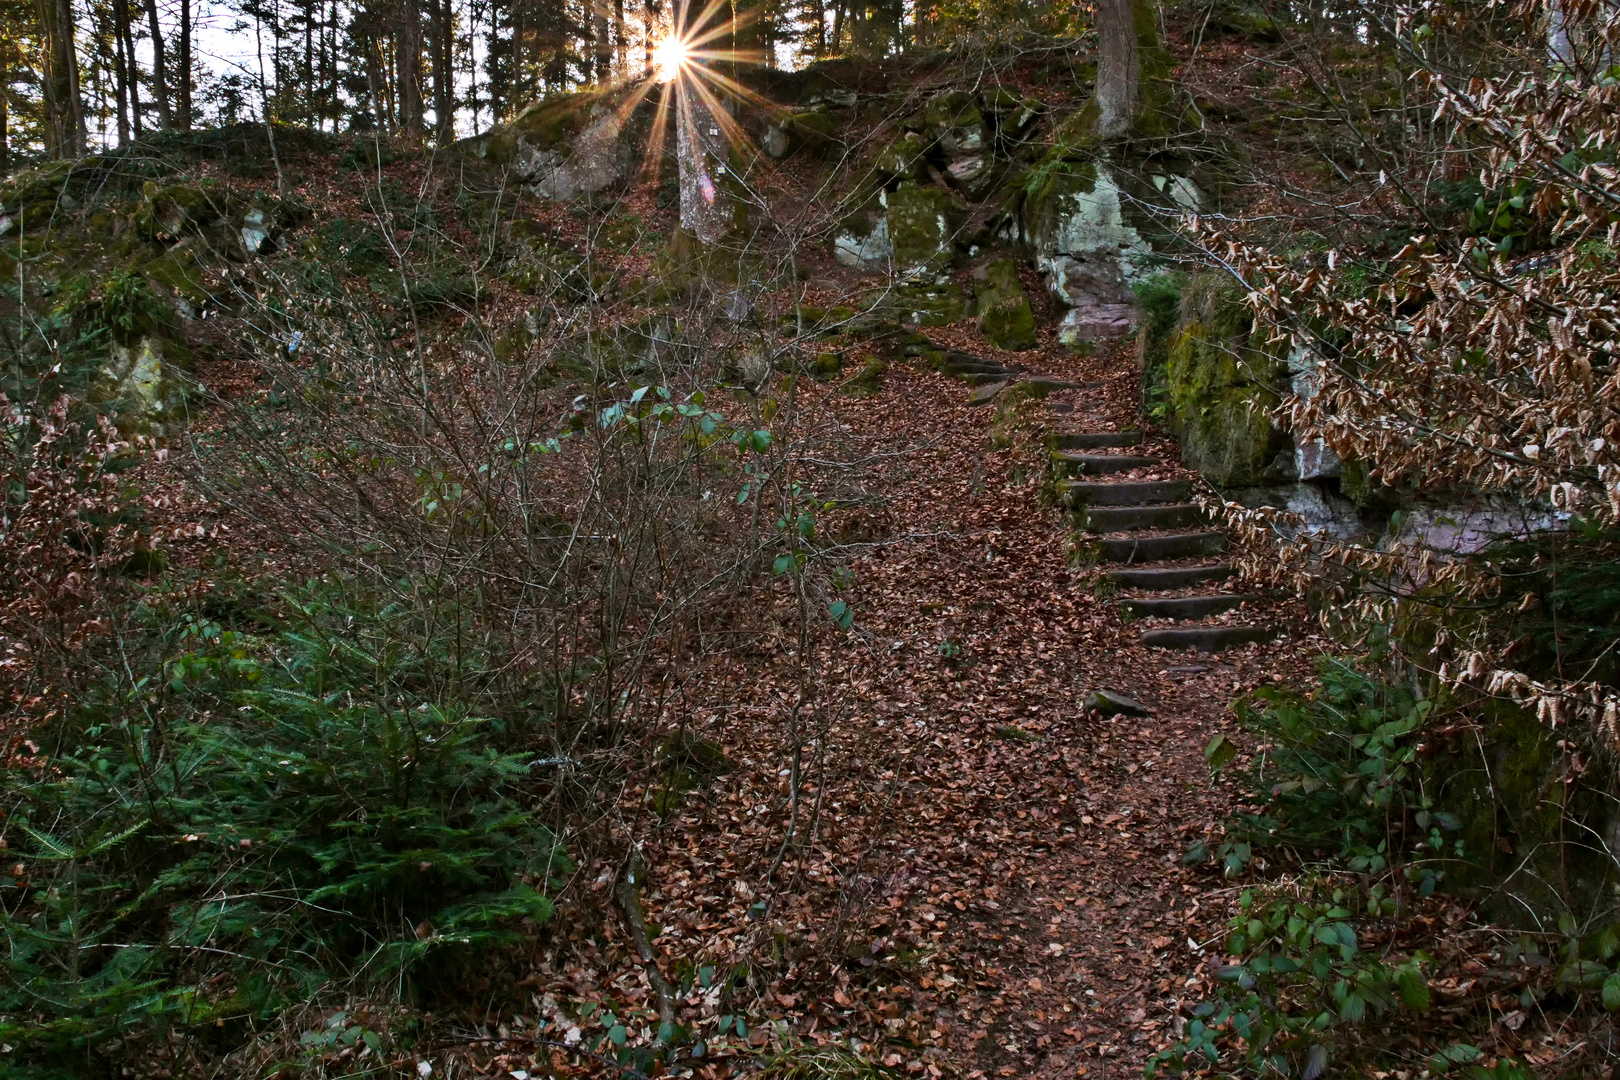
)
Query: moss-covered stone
[
  {"x": 955, "y": 122},
  {"x": 1221, "y": 386},
  {"x": 1005, "y": 317},
  {"x": 919, "y": 228},
  {"x": 903, "y": 156},
  {"x": 869, "y": 380}
]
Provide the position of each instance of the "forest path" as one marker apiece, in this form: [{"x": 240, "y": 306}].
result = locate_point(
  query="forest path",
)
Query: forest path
[{"x": 996, "y": 879}]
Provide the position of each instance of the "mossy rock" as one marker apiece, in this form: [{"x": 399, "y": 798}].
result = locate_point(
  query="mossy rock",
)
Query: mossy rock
[
  {"x": 1219, "y": 386},
  {"x": 869, "y": 380},
  {"x": 825, "y": 365},
  {"x": 955, "y": 122},
  {"x": 556, "y": 119},
  {"x": 815, "y": 130},
  {"x": 903, "y": 157},
  {"x": 1005, "y": 317},
  {"x": 168, "y": 212},
  {"x": 178, "y": 272},
  {"x": 920, "y": 228}
]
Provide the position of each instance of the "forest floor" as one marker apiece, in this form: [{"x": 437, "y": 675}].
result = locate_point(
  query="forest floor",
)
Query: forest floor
[{"x": 993, "y": 881}]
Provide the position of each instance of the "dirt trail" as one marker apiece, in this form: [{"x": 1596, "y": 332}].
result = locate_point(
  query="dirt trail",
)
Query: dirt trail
[{"x": 996, "y": 875}]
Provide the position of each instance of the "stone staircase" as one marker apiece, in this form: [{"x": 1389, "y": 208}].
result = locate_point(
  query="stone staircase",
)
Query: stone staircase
[{"x": 1151, "y": 543}]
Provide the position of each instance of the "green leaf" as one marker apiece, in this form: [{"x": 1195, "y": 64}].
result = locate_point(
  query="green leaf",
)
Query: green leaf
[
  {"x": 842, "y": 614},
  {"x": 374, "y": 1042},
  {"x": 1611, "y": 992},
  {"x": 782, "y": 565},
  {"x": 760, "y": 441},
  {"x": 1414, "y": 989},
  {"x": 1219, "y": 751},
  {"x": 617, "y": 1035}
]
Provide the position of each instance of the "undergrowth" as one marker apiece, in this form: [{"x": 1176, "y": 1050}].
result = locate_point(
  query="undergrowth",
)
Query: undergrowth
[
  {"x": 1331, "y": 962},
  {"x": 250, "y": 820}
]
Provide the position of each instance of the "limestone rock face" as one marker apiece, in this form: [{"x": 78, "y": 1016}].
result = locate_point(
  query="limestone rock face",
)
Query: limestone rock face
[
  {"x": 1005, "y": 317},
  {"x": 1088, "y": 249}
]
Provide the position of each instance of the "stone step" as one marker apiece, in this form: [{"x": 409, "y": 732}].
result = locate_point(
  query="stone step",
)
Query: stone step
[
  {"x": 1096, "y": 440},
  {"x": 1141, "y": 549},
  {"x": 1207, "y": 638},
  {"x": 1076, "y": 463},
  {"x": 973, "y": 366},
  {"x": 1076, "y": 493},
  {"x": 1155, "y": 578},
  {"x": 1183, "y": 607},
  {"x": 1124, "y": 518}
]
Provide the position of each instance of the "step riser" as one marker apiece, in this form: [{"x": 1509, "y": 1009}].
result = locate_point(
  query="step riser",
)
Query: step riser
[
  {"x": 1213, "y": 639},
  {"x": 1182, "y": 607},
  {"x": 1095, "y": 440},
  {"x": 1145, "y": 493},
  {"x": 1170, "y": 577},
  {"x": 1069, "y": 464},
  {"x": 1153, "y": 548},
  {"x": 1124, "y": 518}
]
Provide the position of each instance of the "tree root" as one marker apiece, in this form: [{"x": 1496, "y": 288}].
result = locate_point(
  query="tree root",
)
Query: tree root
[{"x": 628, "y": 893}]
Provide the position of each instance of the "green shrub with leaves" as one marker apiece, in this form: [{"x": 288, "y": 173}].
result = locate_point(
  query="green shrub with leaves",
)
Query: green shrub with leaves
[
  {"x": 254, "y": 820},
  {"x": 1316, "y": 956}
]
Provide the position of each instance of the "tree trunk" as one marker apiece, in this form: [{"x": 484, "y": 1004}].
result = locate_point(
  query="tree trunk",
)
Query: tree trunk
[
  {"x": 59, "y": 83},
  {"x": 183, "y": 77},
  {"x": 700, "y": 147},
  {"x": 126, "y": 27},
  {"x": 5, "y": 81},
  {"x": 444, "y": 78},
  {"x": 408, "y": 63},
  {"x": 120, "y": 71},
  {"x": 1119, "y": 67},
  {"x": 160, "y": 82}
]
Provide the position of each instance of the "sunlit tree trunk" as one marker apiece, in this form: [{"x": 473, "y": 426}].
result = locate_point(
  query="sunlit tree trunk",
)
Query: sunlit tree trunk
[
  {"x": 64, "y": 109},
  {"x": 700, "y": 147}
]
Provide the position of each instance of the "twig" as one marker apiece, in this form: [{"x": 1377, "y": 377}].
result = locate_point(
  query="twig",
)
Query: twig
[{"x": 628, "y": 893}]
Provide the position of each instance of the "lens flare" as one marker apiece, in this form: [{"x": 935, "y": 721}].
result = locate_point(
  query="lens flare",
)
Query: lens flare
[{"x": 670, "y": 56}]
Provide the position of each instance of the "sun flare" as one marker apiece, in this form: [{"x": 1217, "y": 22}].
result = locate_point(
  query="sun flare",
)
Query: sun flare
[{"x": 669, "y": 57}]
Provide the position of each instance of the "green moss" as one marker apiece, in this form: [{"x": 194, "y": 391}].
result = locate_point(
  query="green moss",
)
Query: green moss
[
  {"x": 919, "y": 221},
  {"x": 1005, "y": 317},
  {"x": 555, "y": 119},
  {"x": 869, "y": 380},
  {"x": 1219, "y": 386},
  {"x": 825, "y": 365}
]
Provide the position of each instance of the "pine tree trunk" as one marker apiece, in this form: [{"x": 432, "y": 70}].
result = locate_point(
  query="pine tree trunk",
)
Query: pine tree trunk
[
  {"x": 120, "y": 71},
  {"x": 183, "y": 78},
  {"x": 160, "y": 83},
  {"x": 408, "y": 63},
  {"x": 1119, "y": 67},
  {"x": 59, "y": 83},
  {"x": 132, "y": 69},
  {"x": 444, "y": 86}
]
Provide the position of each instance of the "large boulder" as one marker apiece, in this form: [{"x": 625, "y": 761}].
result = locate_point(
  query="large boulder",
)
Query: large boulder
[
  {"x": 1004, "y": 315},
  {"x": 956, "y": 125},
  {"x": 1220, "y": 386},
  {"x": 920, "y": 228},
  {"x": 566, "y": 145},
  {"x": 142, "y": 381},
  {"x": 1088, "y": 248}
]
